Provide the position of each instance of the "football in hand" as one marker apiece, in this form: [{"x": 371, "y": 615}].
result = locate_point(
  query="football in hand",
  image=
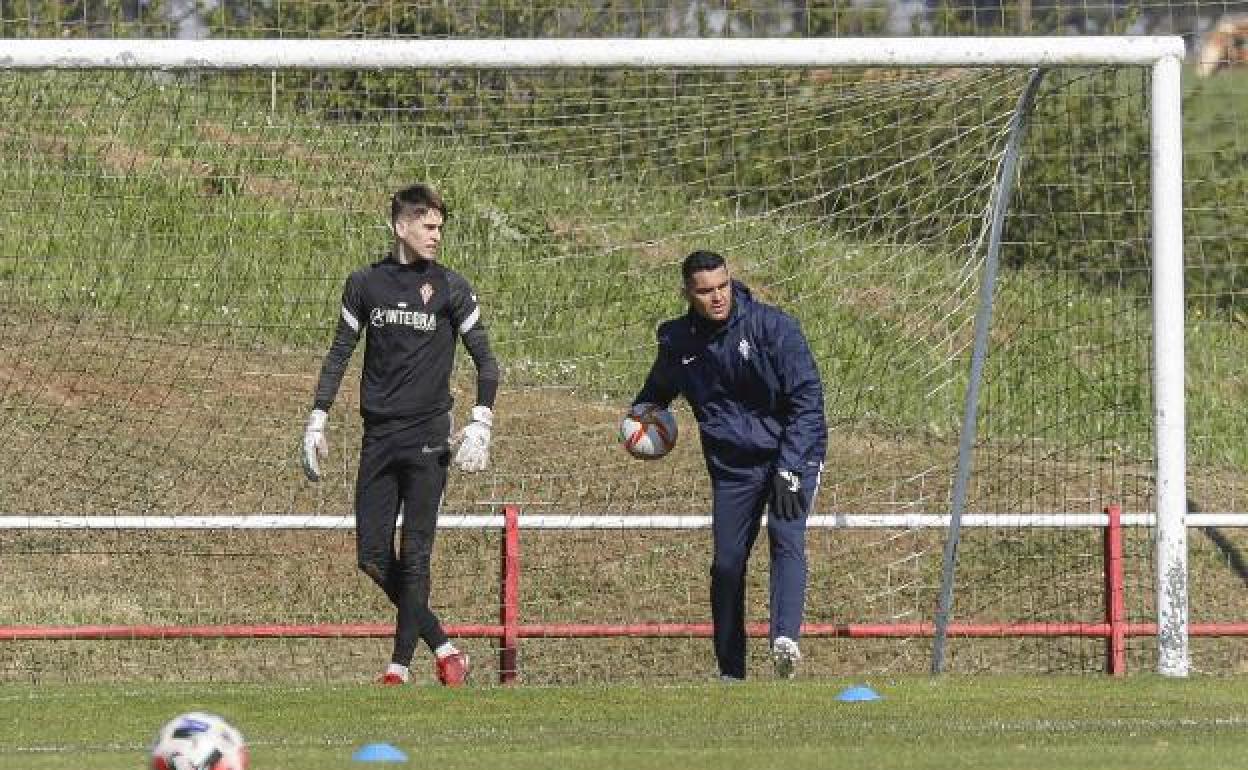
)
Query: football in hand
[{"x": 648, "y": 433}]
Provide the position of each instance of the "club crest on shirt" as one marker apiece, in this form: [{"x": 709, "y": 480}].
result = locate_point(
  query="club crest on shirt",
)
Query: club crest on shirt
[
  {"x": 426, "y": 293},
  {"x": 744, "y": 349}
]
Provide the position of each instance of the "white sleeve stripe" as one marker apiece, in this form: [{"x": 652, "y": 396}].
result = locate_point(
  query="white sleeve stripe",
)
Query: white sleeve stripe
[
  {"x": 814, "y": 493},
  {"x": 351, "y": 320},
  {"x": 471, "y": 320}
]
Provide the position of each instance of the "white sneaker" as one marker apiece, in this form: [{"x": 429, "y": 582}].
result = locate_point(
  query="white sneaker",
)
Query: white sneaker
[{"x": 785, "y": 655}]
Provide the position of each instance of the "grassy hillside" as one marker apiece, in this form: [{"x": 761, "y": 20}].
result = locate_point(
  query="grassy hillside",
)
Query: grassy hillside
[{"x": 210, "y": 215}]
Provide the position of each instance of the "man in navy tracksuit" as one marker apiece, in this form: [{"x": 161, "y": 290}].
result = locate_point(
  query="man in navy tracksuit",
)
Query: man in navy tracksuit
[{"x": 746, "y": 370}]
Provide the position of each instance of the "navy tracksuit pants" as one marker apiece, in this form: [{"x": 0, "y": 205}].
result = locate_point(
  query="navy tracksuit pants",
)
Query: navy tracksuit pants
[{"x": 739, "y": 498}]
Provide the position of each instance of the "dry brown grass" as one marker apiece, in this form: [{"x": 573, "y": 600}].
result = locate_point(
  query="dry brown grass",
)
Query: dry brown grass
[{"x": 99, "y": 418}]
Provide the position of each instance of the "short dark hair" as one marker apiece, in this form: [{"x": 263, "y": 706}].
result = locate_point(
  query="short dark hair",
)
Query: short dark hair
[
  {"x": 698, "y": 261},
  {"x": 414, "y": 201}
]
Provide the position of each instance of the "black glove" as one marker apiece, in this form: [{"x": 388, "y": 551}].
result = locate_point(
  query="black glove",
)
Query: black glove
[{"x": 786, "y": 495}]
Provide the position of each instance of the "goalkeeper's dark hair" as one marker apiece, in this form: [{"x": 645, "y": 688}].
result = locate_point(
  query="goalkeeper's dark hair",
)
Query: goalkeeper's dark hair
[
  {"x": 414, "y": 202},
  {"x": 698, "y": 261}
]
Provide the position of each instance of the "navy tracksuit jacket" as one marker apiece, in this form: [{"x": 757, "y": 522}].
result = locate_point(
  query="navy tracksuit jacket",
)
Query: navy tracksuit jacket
[{"x": 755, "y": 390}]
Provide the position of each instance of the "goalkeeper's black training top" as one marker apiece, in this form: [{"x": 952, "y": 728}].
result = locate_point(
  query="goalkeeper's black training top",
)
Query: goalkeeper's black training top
[{"x": 412, "y": 316}]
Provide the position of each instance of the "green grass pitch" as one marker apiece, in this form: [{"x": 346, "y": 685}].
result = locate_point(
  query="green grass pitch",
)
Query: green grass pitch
[{"x": 950, "y": 722}]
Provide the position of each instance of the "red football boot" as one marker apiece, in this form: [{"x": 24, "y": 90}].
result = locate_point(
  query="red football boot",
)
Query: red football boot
[
  {"x": 391, "y": 677},
  {"x": 453, "y": 669}
]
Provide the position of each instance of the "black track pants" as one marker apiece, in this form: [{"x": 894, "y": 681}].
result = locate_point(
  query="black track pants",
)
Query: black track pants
[{"x": 403, "y": 471}]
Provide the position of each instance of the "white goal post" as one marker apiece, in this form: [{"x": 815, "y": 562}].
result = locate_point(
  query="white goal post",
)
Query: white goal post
[{"x": 1163, "y": 55}]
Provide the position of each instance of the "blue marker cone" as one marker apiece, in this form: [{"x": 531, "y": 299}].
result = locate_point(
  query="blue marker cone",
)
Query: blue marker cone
[
  {"x": 858, "y": 694},
  {"x": 378, "y": 752}
]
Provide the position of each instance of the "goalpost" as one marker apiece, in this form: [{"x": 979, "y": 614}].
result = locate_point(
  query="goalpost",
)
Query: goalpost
[{"x": 180, "y": 216}]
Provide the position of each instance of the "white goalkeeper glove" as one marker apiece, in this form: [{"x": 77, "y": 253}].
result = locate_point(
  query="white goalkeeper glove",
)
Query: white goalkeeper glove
[
  {"x": 474, "y": 441},
  {"x": 314, "y": 447}
]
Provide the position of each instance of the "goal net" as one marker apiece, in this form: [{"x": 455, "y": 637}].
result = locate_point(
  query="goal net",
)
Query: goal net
[{"x": 173, "y": 245}]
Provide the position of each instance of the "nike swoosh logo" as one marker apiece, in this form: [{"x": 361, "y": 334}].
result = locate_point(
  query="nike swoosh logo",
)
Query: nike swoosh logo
[{"x": 687, "y": 361}]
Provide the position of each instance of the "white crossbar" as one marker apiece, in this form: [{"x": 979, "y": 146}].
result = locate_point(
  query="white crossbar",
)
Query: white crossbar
[{"x": 582, "y": 53}]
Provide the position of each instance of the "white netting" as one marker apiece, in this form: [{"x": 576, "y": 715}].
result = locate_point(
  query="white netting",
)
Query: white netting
[{"x": 173, "y": 248}]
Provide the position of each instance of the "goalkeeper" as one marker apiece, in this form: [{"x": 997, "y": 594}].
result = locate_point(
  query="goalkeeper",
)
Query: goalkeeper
[
  {"x": 412, "y": 311},
  {"x": 748, "y": 374}
]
